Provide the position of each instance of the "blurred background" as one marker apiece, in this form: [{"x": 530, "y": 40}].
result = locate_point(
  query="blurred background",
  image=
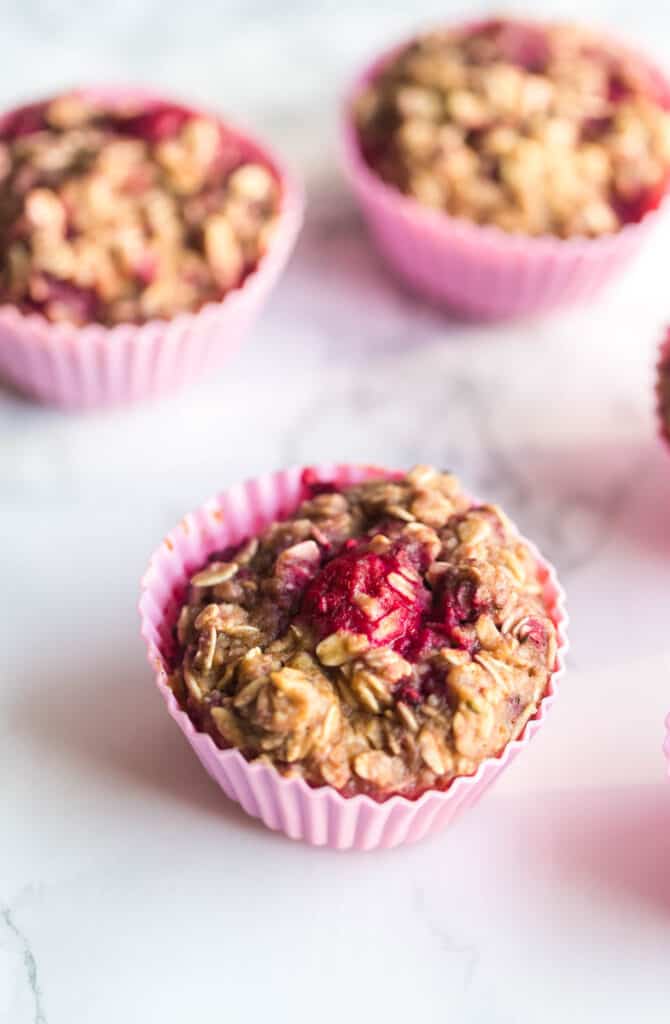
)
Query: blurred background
[
  {"x": 279, "y": 67},
  {"x": 343, "y": 364},
  {"x": 112, "y": 820}
]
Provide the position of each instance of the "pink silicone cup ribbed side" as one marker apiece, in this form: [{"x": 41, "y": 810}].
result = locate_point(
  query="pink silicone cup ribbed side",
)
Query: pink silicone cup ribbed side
[
  {"x": 96, "y": 366},
  {"x": 319, "y": 816},
  {"x": 480, "y": 270},
  {"x": 663, "y": 366}
]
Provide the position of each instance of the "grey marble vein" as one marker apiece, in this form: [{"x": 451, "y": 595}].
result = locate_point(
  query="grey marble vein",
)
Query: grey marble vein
[
  {"x": 448, "y": 944},
  {"x": 29, "y": 962}
]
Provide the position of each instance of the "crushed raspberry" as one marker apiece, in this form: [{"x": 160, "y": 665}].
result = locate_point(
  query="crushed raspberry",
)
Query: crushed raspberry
[
  {"x": 459, "y": 604},
  {"x": 295, "y": 568},
  {"x": 536, "y": 632},
  {"x": 647, "y": 199},
  {"x": 23, "y": 122},
  {"x": 408, "y": 694},
  {"x": 163, "y": 121},
  {"x": 429, "y": 639},
  {"x": 330, "y": 601},
  {"x": 592, "y": 129},
  {"x": 617, "y": 88},
  {"x": 526, "y": 46},
  {"x": 313, "y": 486},
  {"x": 410, "y": 550},
  {"x": 64, "y": 300}
]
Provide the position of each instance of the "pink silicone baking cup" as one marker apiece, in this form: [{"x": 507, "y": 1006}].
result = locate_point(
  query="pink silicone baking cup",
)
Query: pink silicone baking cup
[
  {"x": 480, "y": 270},
  {"x": 95, "y": 366},
  {"x": 319, "y": 816},
  {"x": 663, "y": 366}
]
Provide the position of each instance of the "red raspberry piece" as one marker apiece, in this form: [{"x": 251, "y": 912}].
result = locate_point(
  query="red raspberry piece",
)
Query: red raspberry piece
[
  {"x": 313, "y": 486},
  {"x": 524, "y": 45},
  {"x": 160, "y": 122},
  {"x": 648, "y": 199},
  {"x": 536, "y": 631},
  {"x": 24, "y": 121},
  {"x": 81, "y": 302},
  {"x": 408, "y": 694},
  {"x": 617, "y": 89},
  {"x": 330, "y": 604},
  {"x": 429, "y": 640},
  {"x": 460, "y": 602}
]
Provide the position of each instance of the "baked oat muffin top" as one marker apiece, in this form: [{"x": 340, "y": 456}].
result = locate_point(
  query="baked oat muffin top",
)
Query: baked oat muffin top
[
  {"x": 540, "y": 130},
  {"x": 124, "y": 214},
  {"x": 384, "y": 639}
]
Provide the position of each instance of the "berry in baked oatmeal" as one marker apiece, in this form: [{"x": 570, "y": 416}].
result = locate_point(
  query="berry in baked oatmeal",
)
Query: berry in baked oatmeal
[
  {"x": 540, "y": 130},
  {"x": 114, "y": 214},
  {"x": 384, "y": 639}
]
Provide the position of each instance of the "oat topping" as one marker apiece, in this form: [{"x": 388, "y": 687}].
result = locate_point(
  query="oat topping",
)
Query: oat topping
[
  {"x": 536, "y": 129},
  {"x": 384, "y": 639},
  {"x": 126, "y": 214}
]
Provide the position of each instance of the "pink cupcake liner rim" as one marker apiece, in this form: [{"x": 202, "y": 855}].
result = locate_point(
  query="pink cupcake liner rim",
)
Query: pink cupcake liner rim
[
  {"x": 46, "y": 332},
  {"x": 210, "y": 519},
  {"x": 438, "y": 222}
]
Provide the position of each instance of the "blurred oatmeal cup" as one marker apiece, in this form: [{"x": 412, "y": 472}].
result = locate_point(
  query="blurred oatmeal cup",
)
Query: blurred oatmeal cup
[
  {"x": 141, "y": 238},
  {"x": 663, "y": 388},
  {"x": 508, "y": 167},
  {"x": 348, "y": 673}
]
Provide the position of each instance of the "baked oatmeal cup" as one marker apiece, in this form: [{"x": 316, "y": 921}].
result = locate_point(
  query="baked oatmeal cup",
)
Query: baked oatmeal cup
[
  {"x": 138, "y": 240},
  {"x": 354, "y": 655},
  {"x": 508, "y": 166},
  {"x": 663, "y": 388}
]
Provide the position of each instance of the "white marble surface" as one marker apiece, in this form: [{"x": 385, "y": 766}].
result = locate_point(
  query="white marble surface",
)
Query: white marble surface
[{"x": 130, "y": 890}]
